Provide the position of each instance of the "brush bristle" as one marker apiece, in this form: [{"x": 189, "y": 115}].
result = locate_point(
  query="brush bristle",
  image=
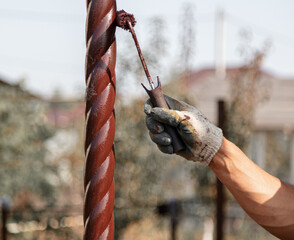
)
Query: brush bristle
[{"x": 122, "y": 19}]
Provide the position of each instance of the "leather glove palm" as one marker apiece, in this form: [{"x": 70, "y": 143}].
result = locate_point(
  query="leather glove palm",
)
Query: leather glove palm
[{"x": 202, "y": 139}]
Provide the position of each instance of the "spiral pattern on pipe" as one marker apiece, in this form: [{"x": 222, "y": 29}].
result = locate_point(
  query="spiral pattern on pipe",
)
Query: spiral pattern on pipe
[{"x": 100, "y": 120}]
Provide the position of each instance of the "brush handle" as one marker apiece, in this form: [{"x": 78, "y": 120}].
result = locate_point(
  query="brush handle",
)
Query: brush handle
[{"x": 158, "y": 100}]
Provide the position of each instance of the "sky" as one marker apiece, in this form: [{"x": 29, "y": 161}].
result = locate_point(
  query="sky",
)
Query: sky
[{"x": 42, "y": 43}]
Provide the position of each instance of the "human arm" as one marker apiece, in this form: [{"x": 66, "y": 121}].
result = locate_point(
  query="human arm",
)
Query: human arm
[{"x": 265, "y": 198}]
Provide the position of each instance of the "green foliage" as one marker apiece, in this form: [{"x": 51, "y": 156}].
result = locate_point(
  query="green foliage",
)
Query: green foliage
[
  {"x": 245, "y": 96},
  {"x": 23, "y": 131},
  {"x": 187, "y": 41},
  {"x": 246, "y": 92},
  {"x": 138, "y": 166},
  {"x": 40, "y": 178}
]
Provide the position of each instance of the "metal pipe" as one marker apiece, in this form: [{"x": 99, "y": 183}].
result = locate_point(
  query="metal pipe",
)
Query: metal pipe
[
  {"x": 219, "y": 186},
  {"x": 5, "y": 209},
  {"x": 4, "y": 220},
  {"x": 100, "y": 120},
  {"x": 173, "y": 205}
]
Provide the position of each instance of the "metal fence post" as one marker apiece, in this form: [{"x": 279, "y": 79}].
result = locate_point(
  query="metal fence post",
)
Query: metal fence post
[
  {"x": 219, "y": 186},
  {"x": 100, "y": 120},
  {"x": 5, "y": 208}
]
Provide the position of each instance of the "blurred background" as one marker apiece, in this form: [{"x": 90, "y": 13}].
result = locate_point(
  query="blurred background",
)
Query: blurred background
[{"x": 236, "y": 51}]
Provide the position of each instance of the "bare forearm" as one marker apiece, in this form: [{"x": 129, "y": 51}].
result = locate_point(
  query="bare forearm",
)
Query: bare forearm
[{"x": 269, "y": 201}]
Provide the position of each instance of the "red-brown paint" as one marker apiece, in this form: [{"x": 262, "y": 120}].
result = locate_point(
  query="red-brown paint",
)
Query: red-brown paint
[
  {"x": 100, "y": 120},
  {"x": 187, "y": 117}
]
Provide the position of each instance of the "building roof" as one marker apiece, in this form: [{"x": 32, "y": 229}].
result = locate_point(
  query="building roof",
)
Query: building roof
[
  {"x": 275, "y": 113},
  {"x": 17, "y": 88}
]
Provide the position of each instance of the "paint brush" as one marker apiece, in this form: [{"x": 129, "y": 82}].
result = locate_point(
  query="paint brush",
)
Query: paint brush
[{"x": 127, "y": 22}]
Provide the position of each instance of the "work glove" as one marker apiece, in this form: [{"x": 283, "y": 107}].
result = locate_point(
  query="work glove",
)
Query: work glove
[{"x": 201, "y": 138}]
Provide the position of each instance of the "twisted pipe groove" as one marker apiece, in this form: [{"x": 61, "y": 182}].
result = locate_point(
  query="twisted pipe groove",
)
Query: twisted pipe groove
[{"x": 100, "y": 120}]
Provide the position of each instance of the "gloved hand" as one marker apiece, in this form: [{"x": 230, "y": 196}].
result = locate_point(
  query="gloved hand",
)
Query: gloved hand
[{"x": 202, "y": 139}]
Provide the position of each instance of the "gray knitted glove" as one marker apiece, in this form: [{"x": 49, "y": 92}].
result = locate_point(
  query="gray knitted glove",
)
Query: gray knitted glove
[{"x": 201, "y": 137}]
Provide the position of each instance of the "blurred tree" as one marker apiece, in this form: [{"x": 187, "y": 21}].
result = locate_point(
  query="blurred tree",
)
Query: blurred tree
[
  {"x": 187, "y": 40},
  {"x": 246, "y": 92},
  {"x": 39, "y": 169},
  {"x": 23, "y": 130},
  {"x": 156, "y": 49},
  {"x": 136, "y": 175}
]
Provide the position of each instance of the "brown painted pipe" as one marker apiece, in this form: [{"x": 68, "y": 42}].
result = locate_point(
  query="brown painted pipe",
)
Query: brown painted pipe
[{"x": 100, "y": 120}]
